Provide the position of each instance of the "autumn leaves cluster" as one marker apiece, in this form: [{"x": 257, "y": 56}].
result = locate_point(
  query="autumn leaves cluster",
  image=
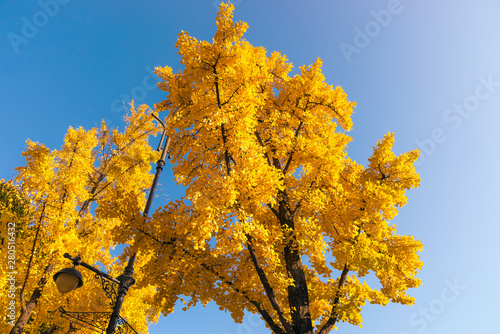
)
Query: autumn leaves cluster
[
  {"x": 68, "y": 200},
  {"x": 276, "y": 218}
]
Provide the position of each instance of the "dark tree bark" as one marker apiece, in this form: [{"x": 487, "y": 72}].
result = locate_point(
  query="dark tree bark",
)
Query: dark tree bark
[
  {"x": 50, "y": 330},
  {"x": 27, "y": 310},
  {"x": 298, "y": 295}
]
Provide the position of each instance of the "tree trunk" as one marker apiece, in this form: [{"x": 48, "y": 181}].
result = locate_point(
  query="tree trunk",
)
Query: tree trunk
[
  {"x": 27, "y": 310},
  {"x": 50, "y": 330},
  {"x": 298, "y": 295}
]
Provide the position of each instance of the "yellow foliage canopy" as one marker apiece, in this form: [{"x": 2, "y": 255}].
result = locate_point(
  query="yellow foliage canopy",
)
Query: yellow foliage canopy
[
  {"x": 276, "y": 220},
  {"x": 68, "y": 200}
]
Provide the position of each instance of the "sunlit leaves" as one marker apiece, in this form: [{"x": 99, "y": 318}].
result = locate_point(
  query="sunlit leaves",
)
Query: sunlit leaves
[
  {"x": 276, "y": 218},
  {"x": 263, "y": 155},
  {"x": 73, "y": 200}
]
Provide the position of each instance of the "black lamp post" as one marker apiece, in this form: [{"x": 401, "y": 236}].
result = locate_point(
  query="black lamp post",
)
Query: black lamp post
[
  {"x": 69, "y": 279},
  {"x": 159, "y": 165}
]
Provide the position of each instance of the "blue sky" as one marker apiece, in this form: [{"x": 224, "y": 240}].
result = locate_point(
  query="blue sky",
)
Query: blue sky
[{"x": 427, "y": 70}]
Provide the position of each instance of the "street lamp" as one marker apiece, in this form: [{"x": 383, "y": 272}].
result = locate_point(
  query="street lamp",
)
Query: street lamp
[
  {"x": 69, "y": 279},
  {"x": 159, "y": 164}
]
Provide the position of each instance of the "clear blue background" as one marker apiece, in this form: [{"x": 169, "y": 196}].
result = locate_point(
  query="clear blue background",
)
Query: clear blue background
[{"x": 86, "y": 58}]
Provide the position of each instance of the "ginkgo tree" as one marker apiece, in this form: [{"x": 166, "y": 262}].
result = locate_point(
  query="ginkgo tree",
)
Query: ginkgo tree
[
  {"x": 277, "y": 219},
  {"x": 58, "y": 203}
]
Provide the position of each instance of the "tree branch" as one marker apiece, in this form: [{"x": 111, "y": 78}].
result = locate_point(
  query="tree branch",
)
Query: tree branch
[
  {"x": 267, "y": 287},
  {"x": 27, "y": 310},
  {"x": 269, "y": 320},
  {"x": 28, "y": 269},
  {"x": 293, "y": 151},
  {"x": 226, "y": 152},
  {"x": 327, "y": 327},
  {"x": 262, "y": 144},
  {"x": 50, "y": 330},
  {"x": 267, "y": 317}
]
